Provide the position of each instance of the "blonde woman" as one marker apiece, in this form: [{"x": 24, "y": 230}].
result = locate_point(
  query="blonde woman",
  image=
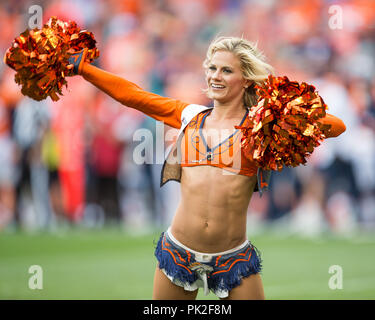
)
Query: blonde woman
[{"x": 206, "y": 245}]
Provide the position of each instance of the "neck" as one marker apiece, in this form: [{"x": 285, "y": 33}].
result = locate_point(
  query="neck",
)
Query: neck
[{"x": 224, "y": 111}]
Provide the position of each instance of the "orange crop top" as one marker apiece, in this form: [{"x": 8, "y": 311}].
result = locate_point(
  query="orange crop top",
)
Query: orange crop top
[{"x": 225, "y": 153}]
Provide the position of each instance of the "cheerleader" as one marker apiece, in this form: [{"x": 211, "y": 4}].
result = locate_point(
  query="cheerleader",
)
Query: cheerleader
[{"x": 206, "y": 245}]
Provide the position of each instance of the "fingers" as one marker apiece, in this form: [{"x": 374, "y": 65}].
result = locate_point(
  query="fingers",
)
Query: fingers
[
  {"x": 76, "y": 61},
  {"x": 84, "y": 54}
]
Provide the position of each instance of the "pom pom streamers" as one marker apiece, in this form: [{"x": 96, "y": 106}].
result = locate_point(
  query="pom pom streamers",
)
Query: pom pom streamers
[
  {"x": 40, "y": 57},
  {"x": 284, "y": 127}
]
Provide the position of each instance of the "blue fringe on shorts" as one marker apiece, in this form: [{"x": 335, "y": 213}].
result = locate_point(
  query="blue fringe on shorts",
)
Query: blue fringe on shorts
[{"x": 223, "y": 273}]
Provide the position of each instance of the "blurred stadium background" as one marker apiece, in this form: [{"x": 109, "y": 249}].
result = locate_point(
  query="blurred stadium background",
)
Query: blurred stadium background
[{"x": 73, "y": 201}]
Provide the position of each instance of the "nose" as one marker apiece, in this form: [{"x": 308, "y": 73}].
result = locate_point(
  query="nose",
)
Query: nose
[{"x": 216, "y": 75}]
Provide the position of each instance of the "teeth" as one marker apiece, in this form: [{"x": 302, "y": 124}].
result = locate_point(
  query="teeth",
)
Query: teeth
[{"x": 217, "y": 86}]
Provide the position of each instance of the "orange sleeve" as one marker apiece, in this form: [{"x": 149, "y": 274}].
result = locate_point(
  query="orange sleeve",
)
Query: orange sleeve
[
  {"x": 337, "y": 126},
  {"x": 129, "y": 94}
]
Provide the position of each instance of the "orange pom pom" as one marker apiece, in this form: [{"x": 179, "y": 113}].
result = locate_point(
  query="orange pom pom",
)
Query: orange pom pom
[
  {"x": 40, "y": 57},
  {"x": 284, "y": 129}
]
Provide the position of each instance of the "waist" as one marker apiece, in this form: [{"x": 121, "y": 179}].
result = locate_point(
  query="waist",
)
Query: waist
[
  {"x": 216, "y": 233},
  {"x": 204, "y": 256}
]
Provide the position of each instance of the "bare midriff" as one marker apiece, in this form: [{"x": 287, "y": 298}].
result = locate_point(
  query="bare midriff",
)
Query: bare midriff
[{"x": 211, "y": 216}]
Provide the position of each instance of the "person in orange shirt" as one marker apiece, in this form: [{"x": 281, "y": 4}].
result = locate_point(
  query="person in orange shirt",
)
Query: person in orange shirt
[{"x": 206, "y": 245}]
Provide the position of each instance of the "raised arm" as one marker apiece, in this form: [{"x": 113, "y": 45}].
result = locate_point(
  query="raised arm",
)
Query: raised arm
[
  {"x": 129, "y": 94},
  {"x": 337, "y": 126}
]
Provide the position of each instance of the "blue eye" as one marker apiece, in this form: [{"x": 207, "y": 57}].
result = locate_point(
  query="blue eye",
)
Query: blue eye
[{"x": 213, "y": 68}]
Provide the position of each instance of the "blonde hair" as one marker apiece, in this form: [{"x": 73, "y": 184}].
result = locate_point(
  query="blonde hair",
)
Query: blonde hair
[{"x": 253, "y": 65}]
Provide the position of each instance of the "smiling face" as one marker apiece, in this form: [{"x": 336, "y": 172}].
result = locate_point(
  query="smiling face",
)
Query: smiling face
[{"x": 224, "y": 78}]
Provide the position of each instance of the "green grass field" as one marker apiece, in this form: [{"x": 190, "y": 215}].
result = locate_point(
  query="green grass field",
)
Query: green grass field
[{"x": 112, "y": 264}]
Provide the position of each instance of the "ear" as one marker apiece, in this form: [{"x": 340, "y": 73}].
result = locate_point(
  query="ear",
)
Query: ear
[{"x": 248, "y": 83}]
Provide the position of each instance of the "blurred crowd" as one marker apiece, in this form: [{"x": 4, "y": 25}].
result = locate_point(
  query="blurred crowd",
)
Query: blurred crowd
[{"x": 70, "y": 162}]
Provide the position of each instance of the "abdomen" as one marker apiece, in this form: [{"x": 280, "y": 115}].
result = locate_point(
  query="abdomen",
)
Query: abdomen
[{"x": 211, "y": 216}]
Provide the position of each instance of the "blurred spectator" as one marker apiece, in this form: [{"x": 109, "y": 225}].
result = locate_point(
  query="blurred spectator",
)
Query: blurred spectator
[
  {"x": 68, "y": 125},
  {"x": 7, "y": 169},
  {"x": 308, "y": 217},
  {"x": 9, "y": 97},
  {"x": 50, "y": 154},
  {"x": 104, "y": 155},
  {"x": 283, "y": 195},
  {"x": 29, "y": 123}
]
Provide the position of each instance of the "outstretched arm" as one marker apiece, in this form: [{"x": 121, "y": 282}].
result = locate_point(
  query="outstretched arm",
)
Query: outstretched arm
[
  {"x": 337, "y": 126},
  {"x": 129, "y": 94}
]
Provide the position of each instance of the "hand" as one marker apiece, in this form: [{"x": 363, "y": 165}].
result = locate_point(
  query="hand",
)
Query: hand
[{"x": 76, "y": 61}]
